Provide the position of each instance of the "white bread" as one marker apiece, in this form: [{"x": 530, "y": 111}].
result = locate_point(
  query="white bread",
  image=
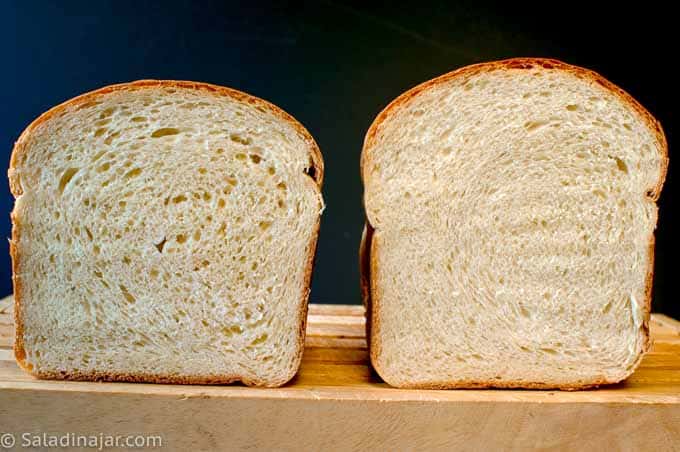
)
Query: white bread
[
  {"x": 164, "y": 231},
  {"x": 511, "y": 209}
]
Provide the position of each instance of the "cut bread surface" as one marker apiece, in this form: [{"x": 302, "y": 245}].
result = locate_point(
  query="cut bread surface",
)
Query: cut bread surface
[
  {"x": 164, "y": 231},
  {"x": 512, "y": 209}
]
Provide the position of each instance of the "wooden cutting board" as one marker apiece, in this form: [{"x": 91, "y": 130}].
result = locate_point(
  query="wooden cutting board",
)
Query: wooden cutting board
[{"x": 336, "y": 402}]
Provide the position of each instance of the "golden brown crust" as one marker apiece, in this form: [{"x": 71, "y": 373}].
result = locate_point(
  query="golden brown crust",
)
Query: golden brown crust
[
  {"x": 306, "y": 288},
  {"x": 374, "y": 345},
  {"x": 508, "y": 385},
  {"x": 19, "y": 350},
  {"x": 365, "y": 276},
  {"x": 649, "y": 280},
  {"x": 151, "y": 378},
  {"x": 466, "y": 72},
  {"x": 316, "y": 162}
]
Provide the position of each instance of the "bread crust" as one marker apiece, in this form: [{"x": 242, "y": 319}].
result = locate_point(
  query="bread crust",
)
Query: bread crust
[
  {"x": 365, "y": 276},
  {"x": 373, "y": 296},
  {"x": 20, "y": 148}
]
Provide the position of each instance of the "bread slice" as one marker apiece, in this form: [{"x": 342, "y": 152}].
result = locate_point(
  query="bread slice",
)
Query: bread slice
[
  {"x": 511, "y": 214},
  {"x": 164, "y": 231}
]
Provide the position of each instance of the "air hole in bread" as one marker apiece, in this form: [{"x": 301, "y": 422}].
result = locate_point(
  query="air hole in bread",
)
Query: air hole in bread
[
  {"x": 160, "y": 245},
  {"x": 621, "y": 165},
  {"x": 103, "y": 167},
  {"x": 256, "y": 159},
  {"x": 97, "y": 156},
  {"x": 226, "y": 331},
  {"x": 100, "y": 132},
  {"x": 599, "y": 193},
  {"x": 236, "y": 138},
  {"x": 260, "y": 339},
  {"x": 66, "y": 178},
  {"x": 532, "y": 126},
  {"x": 311, "y": 172},
  {"x": 111, "y": 137},
  {"x": 133, "y": 173},
  {"x": 127, "y": 295},
  {"x": 107, "y": 112},
  {"x": 163, "y": 132},
  {"x": 524, "y": 312},
  {"x": 572, "y": 107}
]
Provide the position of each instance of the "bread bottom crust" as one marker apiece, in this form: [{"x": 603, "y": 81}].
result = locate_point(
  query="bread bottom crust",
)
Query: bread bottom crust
[{"x": 75, "y": 375}]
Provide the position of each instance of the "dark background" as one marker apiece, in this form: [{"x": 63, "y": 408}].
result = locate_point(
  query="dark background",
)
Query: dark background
[{"x": 332, "y": 65}]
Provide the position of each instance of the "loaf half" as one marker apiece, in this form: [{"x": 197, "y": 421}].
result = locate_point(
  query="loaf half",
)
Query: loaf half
[
  {"x": 511, "y": 209},
  {"x": 164, "y": 231}
]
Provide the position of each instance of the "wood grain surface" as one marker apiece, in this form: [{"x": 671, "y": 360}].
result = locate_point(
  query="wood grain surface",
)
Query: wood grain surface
[{"x": 336, "y": 402}]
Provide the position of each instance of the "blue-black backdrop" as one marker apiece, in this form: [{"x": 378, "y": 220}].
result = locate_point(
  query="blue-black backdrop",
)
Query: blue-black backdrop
[{"x": 332, "y": 65}]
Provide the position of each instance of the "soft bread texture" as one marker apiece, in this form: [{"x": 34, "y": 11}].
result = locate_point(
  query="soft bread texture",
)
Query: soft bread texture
[
  {"x": 511, "y": 209},
  {"x": 164, "y": 231}
]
